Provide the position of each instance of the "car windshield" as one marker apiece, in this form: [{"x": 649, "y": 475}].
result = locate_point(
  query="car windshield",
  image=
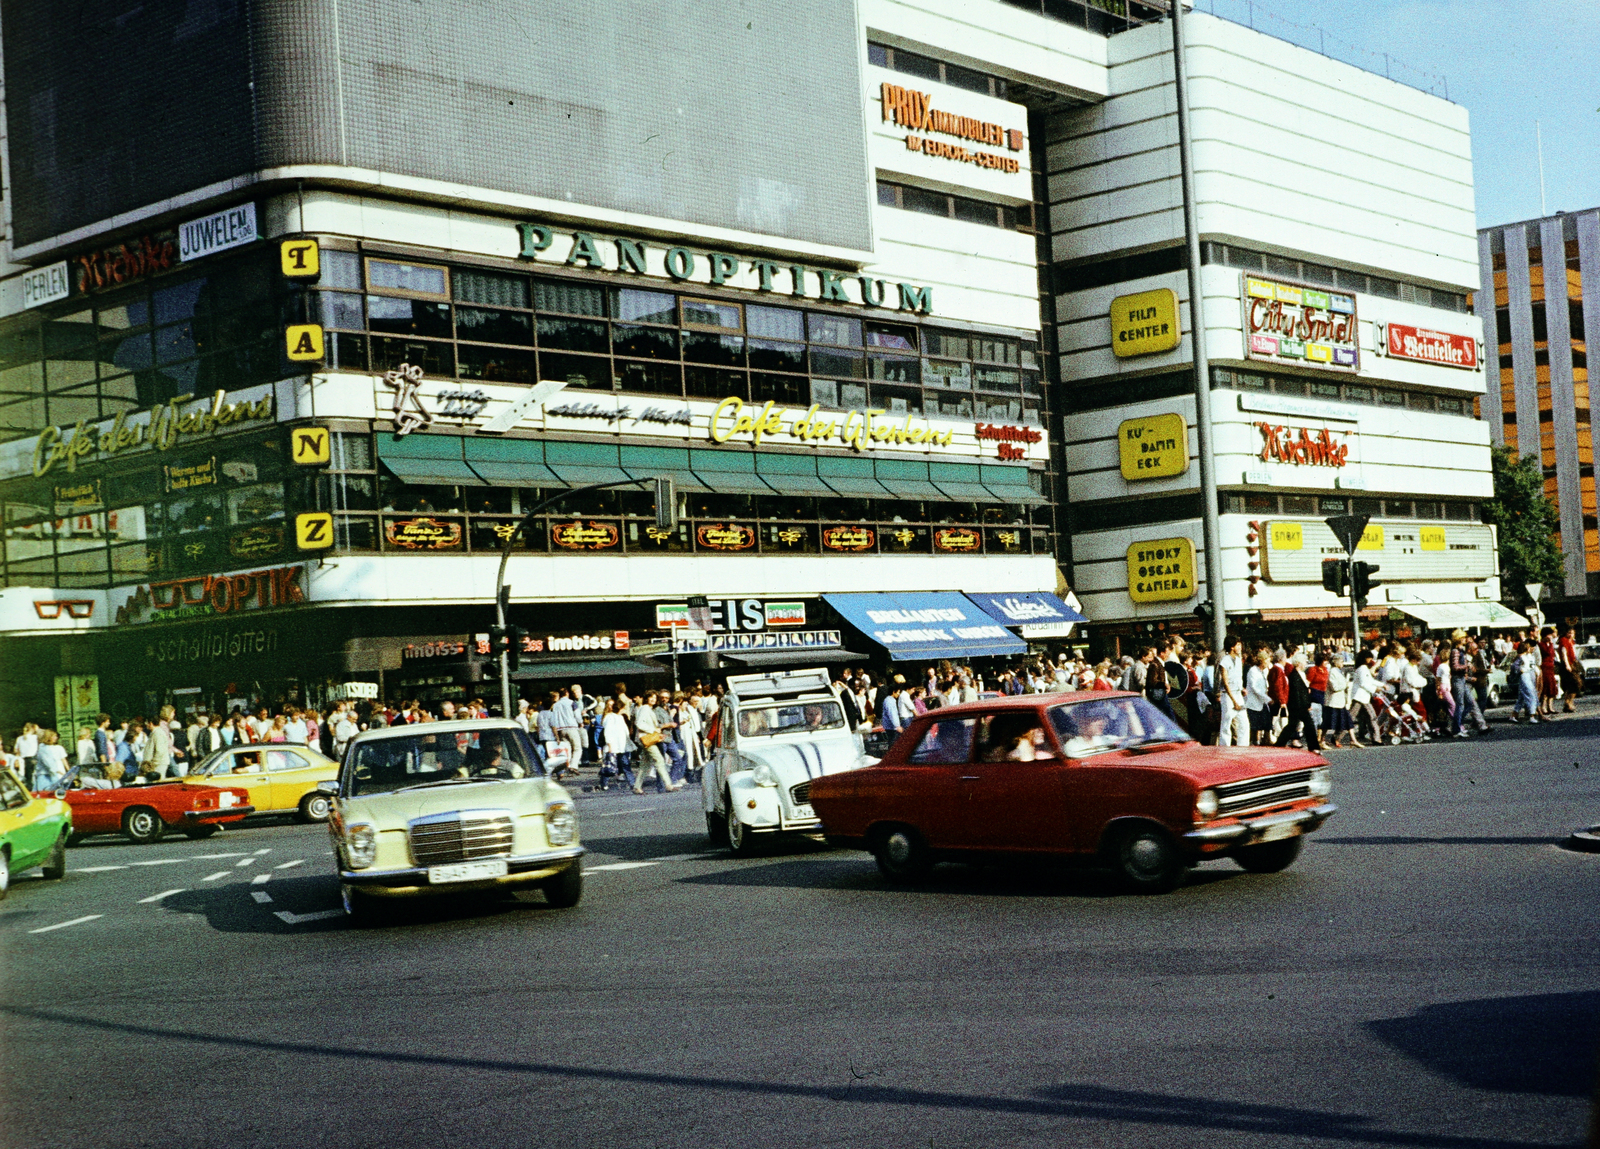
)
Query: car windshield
[
  {"x": 384, "y": 765},
  {"x": 1591, "y": 651},
  {"x": 792, "y": 718},
  {"x": 1104, "y": 724}
]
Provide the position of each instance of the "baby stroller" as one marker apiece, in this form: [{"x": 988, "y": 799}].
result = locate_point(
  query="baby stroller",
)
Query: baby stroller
[{"x": 1398, "y": 720}]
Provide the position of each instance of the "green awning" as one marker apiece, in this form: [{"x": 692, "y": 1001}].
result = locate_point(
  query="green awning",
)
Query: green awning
[
  {"x": 960, "y": 481},
  {"x": 791, "y": 474},
  {"x": 579, "y": 668},
  {"x": 728, "y": 472},
  {"x": 907, "y": 479},
  {"x": 510, "y": 462},
  {"x": 851, "y": 476},
  {"x": 662, "y": 463},
  {"x": 1011, "y": 485},
  {"x": 580, "y": 464},
  {"x": 427, "y": 458}
]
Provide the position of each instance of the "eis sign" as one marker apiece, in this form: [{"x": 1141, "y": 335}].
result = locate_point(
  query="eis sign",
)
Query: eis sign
[{"x": 1304, "y": 326}]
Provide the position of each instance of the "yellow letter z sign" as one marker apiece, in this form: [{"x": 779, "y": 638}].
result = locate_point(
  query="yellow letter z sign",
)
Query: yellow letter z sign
[
  {"x": 313, "y": 531},
  {"x": 304, "y": 342}
]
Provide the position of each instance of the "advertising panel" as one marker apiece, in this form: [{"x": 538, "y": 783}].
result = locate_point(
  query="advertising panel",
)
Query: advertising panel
[
  {"x": 1406, "y": 552},
  {"x": 1401, "y": 341},
  {"x": 1162, "y": 570},
  {"x": 1153, "y": 447},
  {"x": 1300, "y": 325}
]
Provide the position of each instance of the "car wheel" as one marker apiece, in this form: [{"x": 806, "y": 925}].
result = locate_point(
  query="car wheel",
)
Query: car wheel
[
  {"x": 198, "y": 832},
  {"x": 902, "y": 854},
  {"x": 55, "y": 866},
  {"x": 361, "y": 909},
  {"x": 741, "y": 842},
  {"x": 315, "y": 808},
  {"x": 5, "y": 874},
  {"x": 1148, "y": 862},
  {"x": 74, "y": 839},
  {"x": 564, "y": 890},
  {"x": 1269, "y": 857},
  {"x": 714, "y": 828},
  {"x": 142, "y": 825}
]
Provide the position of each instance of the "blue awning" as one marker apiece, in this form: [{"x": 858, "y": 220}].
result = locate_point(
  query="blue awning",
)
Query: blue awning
[
  {"x": 1025, "y": 607},
  {"x": 926, "y": 624}
]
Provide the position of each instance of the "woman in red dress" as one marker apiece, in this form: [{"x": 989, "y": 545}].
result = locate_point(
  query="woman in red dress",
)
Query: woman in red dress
[
  {"x": 1549, "y": 686},
  {"x": 1569, "y": 670}
]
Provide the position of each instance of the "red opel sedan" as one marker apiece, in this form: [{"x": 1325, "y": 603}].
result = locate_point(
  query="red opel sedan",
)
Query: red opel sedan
[
  {"x": 1099, "y": 777},
  {"x": 142, "y": 813}
]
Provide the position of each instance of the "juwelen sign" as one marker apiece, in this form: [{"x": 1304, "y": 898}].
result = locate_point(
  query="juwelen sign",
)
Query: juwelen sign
[
  {"x": 1425, "y": 346},
  {"x": 1300, "y": 325}
]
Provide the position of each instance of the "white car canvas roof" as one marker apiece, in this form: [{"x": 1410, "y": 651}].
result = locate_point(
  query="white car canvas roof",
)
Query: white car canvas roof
[{"x": 782, "y": 683}]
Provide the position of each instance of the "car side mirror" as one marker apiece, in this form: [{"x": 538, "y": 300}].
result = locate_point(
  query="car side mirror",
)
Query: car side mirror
[{"x": 328, "y": 786}]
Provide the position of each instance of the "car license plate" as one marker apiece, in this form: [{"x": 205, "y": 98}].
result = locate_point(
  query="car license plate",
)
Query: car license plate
[
  {"x": 1279, "y": 831},
  {"x": 466, "y": 872},
  {"x": 803, "y": 812}
]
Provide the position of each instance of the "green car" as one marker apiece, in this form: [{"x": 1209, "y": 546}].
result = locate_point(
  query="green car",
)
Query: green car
[{"x": 33, "y": 831}]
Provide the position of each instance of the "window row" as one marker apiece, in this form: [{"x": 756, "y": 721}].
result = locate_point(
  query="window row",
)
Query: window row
[
  {"x": 908, "y": 197},
  {"x": 1267, "y": 504},
  {"x": 1338, "y": 392},
  {"x": 926, "y": 67},
  {"x": 1306, "y": 271},
  {"x": 1105, "y": 17}
]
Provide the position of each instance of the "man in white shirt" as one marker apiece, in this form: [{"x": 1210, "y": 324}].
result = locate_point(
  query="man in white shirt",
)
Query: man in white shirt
[{"x": 1234, "y": 726}]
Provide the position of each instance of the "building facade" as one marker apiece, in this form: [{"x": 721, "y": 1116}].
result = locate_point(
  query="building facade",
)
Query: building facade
[
  {"x": 306, "y": 306},
  {"x": 1542, "y": 404}
]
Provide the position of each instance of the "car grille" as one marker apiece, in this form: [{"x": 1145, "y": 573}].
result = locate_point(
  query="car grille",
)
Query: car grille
[
  {"x": 1256, "y": 793},
  {"x": 800, "y": 793},
  {"x": 460, "y": 836}
]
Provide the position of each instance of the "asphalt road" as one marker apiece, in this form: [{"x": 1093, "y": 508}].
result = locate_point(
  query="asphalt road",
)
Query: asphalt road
[{"x": 1424, "y": 976}]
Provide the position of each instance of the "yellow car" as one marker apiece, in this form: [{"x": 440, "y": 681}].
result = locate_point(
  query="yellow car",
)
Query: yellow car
[
  {"x": 33, "y": 831},
  {"x": 282, "y": 777},
  {"x": 450, "y": 808}
]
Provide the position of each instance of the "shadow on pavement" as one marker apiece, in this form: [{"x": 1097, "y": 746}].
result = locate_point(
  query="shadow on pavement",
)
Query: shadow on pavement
[
  {"x": 1540, "y": 1043},
  {"x": 640, "y": 847},
  {"x": 1061, "y": 1102},
  {"x": 1404, "y": 840}
]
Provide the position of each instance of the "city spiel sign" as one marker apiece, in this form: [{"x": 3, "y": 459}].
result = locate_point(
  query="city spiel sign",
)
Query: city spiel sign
[{"x": 1304, "y": 326}]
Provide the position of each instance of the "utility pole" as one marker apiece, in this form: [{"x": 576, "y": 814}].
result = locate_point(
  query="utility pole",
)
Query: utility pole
[{"x": 1210, "y": 516}]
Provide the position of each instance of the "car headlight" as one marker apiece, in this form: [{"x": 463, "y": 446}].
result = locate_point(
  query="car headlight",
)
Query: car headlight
[
  {"x": 764, "y": 775},
  {"x": 560, "y": 823},
  {"x": 1206, "y": 804},
  {"x": 360, "y": 845},
  {"x": 1321, "y": 782}
]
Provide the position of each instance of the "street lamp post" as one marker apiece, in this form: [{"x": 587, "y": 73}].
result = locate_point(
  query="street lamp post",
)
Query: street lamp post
[
  {"x": 665, "y": 515},
  {"x": 1210, "y": 518}
]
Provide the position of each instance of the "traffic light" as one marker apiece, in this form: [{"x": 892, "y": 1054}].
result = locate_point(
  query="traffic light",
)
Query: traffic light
[
  {"x": 1336, "y": 576},
  {"x": 1361, "y": 580},
  {"x": 507, "y": 640},
  {"x": 666, "y": 505}
]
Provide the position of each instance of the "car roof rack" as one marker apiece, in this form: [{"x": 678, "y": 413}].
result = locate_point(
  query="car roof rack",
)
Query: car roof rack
[{"x": 782, "y": 683}]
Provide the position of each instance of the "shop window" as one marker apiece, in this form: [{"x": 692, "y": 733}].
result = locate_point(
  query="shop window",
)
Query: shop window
[
  {"x": 894, "y": 368},
  {"x": 1007, "y": 541},
  {"x": 1400, "y": 508},
  {"x": 352, "y": 492},
  {"x": 710, "y": 313},
  {"x": 338, "y": 309},
  {"x": 1261, "y": 504},
  {"x": 408, "y": 317},
  {"x": 340, "y": 269},
  {"x": 491, "y": 535},
  {"x": 128, "y": 353},
  {"x": 1418, "y": 402},
  {"x": 636, "y": 306},
  {"x": 1289, "y": 386},
  {"x": 490, "y": 288},
  {"x": 775, "y": 322},
  {"x": 786, "y": 507},
  {"x": 493, "y": 325},
  {"x": 1428, "y": 509},
  {"x": 423, "y": 533},
  {"x": 905, "y": 538},
  {"x": 133, "y": 562},
  {"x": 949, "y": 406},
  {"x": 423, "y": 499},
  {"x": 123, "y": 316},
  {"x": 947, "y": 344},
  {"x": 565, "y": 297},
  {"x": 897, "y": 400},
  {"x": 998, "y": 410},
  {"x": 789, "y": 538},
  {"x": 770, "y": 355},
  {"x": 837, "y": 330},
  {"x": 926, "y": 202},
  {"x": 651, "y": 378},
  {"x": 347, "y": 350},
  {"x": 1323, "y": 390},
  {"x": 1299, "y": 505},
  {"x": 1391, "y": 398},
  {"x": 1333, "y": 506},
  {"x": 647, "y": 538},
  {"x": 644, "y": 342},
  {"x": 998, "y": 379},
  {"x": 350, "y": 452},
  {"x": 849, "y": 364},
  {"x": 573, "y": 335},
  {"x": 75, "y": 405},
  {"x": 576, "y": 370},
  {"x": 417, "y": 279},
  {"x": 495, "y": 364},
  {"x": 902, "y": 512},
  {"x": 707, "y": 347},
  {"x": 1354, "y": 394},
  {"x": 945, "y": 373},
  {"x": 1373, "y": 508},
  {"x": 852, "y": 395},
  {"x": 193, "y": 513},
  {"x": 62, "y": 374},
  {"x": 355, "y": 534},
  {"x": 995, "y": 349}
]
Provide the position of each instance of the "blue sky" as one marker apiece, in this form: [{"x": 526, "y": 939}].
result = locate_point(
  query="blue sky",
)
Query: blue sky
[{"x": 1508, "y": 62}]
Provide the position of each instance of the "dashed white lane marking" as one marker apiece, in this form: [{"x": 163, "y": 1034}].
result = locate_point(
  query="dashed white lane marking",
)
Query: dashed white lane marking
[
  {"x": 620, "y": 813},
  {"x": 619, "y": 866},
  {"x": 685, "y": 857},
  {"x": 158, "y": 897},
  {"x": 295, "y": 919},
  {"x": 286, "y": 865},
  {"x": 64, "y": 925},
  {"x": 215, "y": 876},
  {"x": 261, "y": 896},
  {"x": 244, "y": 862},
  {"x": 160, "y": 862},
  {"x": 264, "y": 850},
  {"x": 97, "y": 869},
  {"x": 235, "y": 854},
  {"x": 260, "y": 879}
]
